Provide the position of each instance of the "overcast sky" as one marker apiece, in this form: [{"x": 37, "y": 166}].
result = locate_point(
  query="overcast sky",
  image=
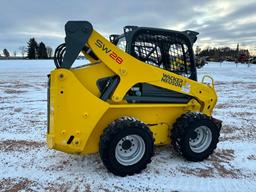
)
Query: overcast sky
[{"x": 219, "y": 22}]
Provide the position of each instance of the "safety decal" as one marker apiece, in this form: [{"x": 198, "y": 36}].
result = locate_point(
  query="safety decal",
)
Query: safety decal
[{"x": 186, "y": 88}]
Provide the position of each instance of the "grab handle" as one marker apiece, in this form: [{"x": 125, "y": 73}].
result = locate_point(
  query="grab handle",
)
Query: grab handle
[{"x": 208, "y": 77}]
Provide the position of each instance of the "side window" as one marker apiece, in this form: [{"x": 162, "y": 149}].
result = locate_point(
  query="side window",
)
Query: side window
[
  {"x": 179, "y": 60},
  {"x": 121, "y": 43},
  {"x": 168, "y": 52},
  {"x": 148, "y": 52}
]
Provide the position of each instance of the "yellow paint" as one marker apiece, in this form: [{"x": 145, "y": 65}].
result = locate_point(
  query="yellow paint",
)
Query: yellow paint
[{"x": 76, "y": 109}]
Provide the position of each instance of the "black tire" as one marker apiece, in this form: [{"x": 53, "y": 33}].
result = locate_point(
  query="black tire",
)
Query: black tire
[
  {"x": 183, "y": 134},
  {"x": 113, "y": 134}
]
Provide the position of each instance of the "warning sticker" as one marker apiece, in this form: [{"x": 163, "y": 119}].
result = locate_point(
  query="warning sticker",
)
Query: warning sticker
[{"x": 186, "y": 88}]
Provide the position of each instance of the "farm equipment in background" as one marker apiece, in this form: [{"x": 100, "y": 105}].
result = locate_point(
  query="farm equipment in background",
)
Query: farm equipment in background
[
  {"x": 252, "y": 60},
  {"x": 140, "y": 90},
  {"x": 243, "y": 58}
]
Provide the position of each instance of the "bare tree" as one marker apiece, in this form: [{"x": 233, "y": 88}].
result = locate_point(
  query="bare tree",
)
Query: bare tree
[
  {"x": 49, "y": 51},
  {"x": 198, "y": 49},
  {"x": 14, "y": 53},
  {"x": 22, "y": 50}
]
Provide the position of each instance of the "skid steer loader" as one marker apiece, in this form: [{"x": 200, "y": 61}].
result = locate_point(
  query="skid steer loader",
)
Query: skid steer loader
[{"x": 140, "y": 90}]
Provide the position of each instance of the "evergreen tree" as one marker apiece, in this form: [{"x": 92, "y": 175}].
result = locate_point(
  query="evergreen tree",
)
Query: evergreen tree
[
  {"x": 6, "y": 53},
  {"x": 32, "y": 49},
  {"x": 42, "y": 52}
]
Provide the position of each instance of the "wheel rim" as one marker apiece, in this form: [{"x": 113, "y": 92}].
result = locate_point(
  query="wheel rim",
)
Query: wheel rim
[
  {"x": 130, "y": 149},
  {"x": 202, "y": 139}
]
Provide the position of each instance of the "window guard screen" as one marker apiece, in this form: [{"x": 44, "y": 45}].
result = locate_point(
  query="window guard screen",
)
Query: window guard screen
[{"x": 169, "y": 52}]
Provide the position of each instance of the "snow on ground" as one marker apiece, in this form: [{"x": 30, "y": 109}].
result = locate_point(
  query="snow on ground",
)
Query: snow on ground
[{"x": 27, "y": 164}]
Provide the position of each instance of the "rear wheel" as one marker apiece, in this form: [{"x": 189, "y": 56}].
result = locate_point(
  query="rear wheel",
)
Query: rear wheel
[
  {"x": 126, "y": 146},
  {"x": 195, "y": 136}
]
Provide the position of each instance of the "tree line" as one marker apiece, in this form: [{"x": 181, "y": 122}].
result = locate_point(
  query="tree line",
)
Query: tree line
[
  {"x": 224, "y": 53},
  {"x": 33, "y": 50}
]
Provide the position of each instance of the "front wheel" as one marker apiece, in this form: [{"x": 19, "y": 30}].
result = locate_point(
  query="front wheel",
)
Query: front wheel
[
  {"x": 195, "y": 136},
  {"x": 126, "y": 146}
]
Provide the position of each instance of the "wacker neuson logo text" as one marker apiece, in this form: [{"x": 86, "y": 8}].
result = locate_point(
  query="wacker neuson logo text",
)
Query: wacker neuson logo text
[{"x": 172, "y": 80}]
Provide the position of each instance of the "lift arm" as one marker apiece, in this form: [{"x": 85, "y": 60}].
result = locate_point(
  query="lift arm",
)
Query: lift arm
[{"x": 130, "y": 70}]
